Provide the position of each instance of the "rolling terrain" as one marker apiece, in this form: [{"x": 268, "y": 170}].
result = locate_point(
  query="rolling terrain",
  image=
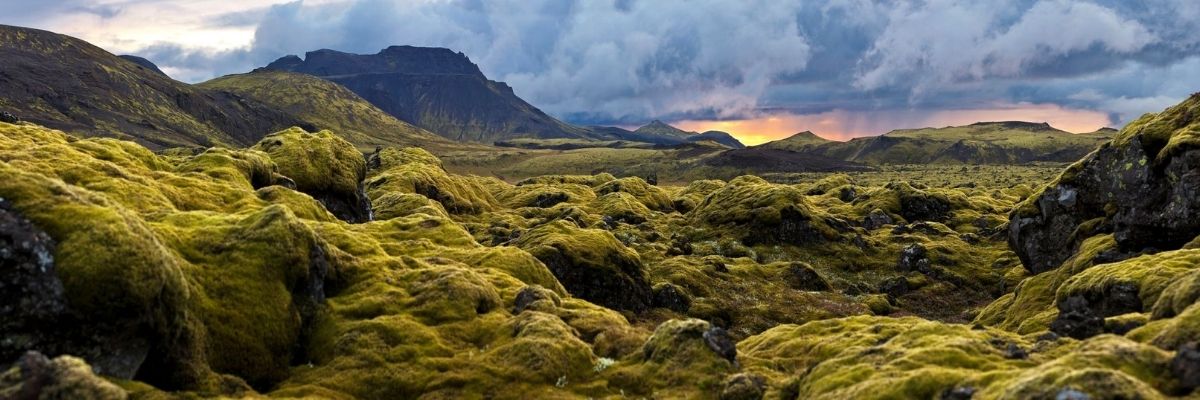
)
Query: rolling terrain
[
  {"x": 231, "y": 273},
  {"x": 308, "y": 242},
  {"x": 1009, "y": 142}
]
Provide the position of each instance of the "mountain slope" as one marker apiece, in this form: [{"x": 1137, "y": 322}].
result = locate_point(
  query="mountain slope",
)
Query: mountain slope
[
  {"x": 798, "y": 142},
  {"x": 65, "y": 83},
  {"x": 1010, "y": 142},
  {"x": 436, "y": 89},
  {"x": 328, "y": 106}
]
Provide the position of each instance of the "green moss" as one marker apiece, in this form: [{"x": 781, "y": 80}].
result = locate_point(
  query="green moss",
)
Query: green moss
[
  {"x": 457, "y": 194},
  {"x": 64, "y": 377},
  {"x": 649, "y": 195},
  {"x": 760, "y": 211},
  {"x": 318, "y": 162},
  {"x": 622, "y": 206},
  {"x": 694, "y": 193}
]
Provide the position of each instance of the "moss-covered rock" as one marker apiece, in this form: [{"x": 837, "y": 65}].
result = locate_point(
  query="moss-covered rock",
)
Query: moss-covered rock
[
  {"x": 415, "y": 172},
  {"x": 324, "y": 166},
  {"x": 1140, "y": 187},
  {"x": 35, "y": 376},
  {"x": 761, "y": 212},
  {"x": 591, "y": 264},
  {"x": 649, "y": 195}
]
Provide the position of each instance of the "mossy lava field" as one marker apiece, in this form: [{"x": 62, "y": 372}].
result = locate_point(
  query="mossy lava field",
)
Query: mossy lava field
[{"x": 301, "y": 267}]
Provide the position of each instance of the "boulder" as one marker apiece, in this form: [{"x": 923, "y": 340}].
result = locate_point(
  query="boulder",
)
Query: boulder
[
  {"x": 7, "y": 117},
  {"x": 1186, "y": 366},
  {"x": 914, "y": 257},
  {"x": 801, "y": 276},
  {"x": 1143, "y": 187}
]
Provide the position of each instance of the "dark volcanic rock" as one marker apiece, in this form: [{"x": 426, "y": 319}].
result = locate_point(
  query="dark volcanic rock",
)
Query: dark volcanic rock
[
  {"x": 744, "y": 386},
  {"x": 672, "y": 297},
  {"x": 801, "y": 276},
  {"x": 877, "y": 219},
  {"x": 958, "y": 393},
  {"x": 1082, "y": 315},
  {"x": 1144, "y": 187},
  {"x": 1076, "y": 319},
  {"x": 1186, "y": 366},
  {"x": 7, "y": 117},
  {"x": 719, "y": 341},
  {"x": 914, "y": 257}
]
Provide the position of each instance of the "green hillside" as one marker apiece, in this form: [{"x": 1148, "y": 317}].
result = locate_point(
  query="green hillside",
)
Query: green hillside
[{"x": 328, "y": 105}]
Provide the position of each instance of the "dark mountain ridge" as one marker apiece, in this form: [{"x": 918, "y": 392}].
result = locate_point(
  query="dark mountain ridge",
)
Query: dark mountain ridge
[
  {"x": 436, "y": 89},
  {"x": 68, "y": 84}
]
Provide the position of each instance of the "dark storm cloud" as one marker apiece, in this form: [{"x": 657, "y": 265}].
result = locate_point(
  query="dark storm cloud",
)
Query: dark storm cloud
[{"x": 628, "y": 61}]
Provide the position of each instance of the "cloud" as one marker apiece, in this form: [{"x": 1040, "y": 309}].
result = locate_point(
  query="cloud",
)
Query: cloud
[{"x": 628, "y": 61}]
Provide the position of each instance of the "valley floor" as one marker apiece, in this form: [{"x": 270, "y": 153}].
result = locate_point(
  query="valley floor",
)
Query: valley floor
[{"x": 298, "y": 269}]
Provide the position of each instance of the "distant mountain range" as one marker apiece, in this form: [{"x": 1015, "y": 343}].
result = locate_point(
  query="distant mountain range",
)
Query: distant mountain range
[
  {"x": 1008, "y": 142},
  {"x": 430, "y": 97}
]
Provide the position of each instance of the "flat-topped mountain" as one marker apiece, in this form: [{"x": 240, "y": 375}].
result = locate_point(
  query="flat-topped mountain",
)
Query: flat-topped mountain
[
  {"x": 1008, "y": 142},
  {"x": 65, "y": 83},
  {"x": 436, "y": 89}
]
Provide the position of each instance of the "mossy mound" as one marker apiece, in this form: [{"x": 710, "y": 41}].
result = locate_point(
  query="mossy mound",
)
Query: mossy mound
[
  {"x": 35, "y": 376},
  {"x": 694, "y": 193},
  {"x": 649, "y": 195},
  {"x": 591, "y": 264},
  {"x": 546, "y": 195},
  {"x": 324, "y": 166},
  {"x": 586, "y": 180},
  {"x": 622, "y": 207},
  {"x": 874, "y": 357},
  {"x": 760, "y": 212},
  {"x": 417, "y": 174}
]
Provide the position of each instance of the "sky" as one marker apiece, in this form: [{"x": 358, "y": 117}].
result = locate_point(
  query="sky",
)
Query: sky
[{"x": 760, "y": 69}]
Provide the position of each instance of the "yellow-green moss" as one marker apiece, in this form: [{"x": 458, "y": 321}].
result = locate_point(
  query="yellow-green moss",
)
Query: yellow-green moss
[{"x": 317, "y": 162}]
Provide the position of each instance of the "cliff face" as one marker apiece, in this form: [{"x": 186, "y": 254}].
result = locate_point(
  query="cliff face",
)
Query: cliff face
[{"x": 436, "y": 89}]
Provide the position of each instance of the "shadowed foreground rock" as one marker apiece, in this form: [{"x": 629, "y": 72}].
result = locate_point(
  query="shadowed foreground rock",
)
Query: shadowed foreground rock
[{"x": 1143, "y": 187}]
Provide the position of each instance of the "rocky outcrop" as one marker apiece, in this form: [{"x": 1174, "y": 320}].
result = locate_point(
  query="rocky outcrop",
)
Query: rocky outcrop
[
  {"x": 1143, "y": 187},
  {"x": 591, "y": 264},
  {"x": 436, "y": 89}
]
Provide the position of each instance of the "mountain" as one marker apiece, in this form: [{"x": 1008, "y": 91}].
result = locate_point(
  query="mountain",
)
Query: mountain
[
  {"x": 661, "y": 129},
  {"x": 328, "y": 105},
  {"x": 65, "y": 83},
  {"x": 1007, "y": 142},
  {"x": 799, "y": 142},
  {"x": 723, "y": 138},
  {"x": 436, "y": 89},
  {"x": 144, "y": 63}
]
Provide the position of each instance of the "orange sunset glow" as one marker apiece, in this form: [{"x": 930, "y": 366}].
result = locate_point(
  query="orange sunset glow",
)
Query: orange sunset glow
[{"x": 844, "y": 125}]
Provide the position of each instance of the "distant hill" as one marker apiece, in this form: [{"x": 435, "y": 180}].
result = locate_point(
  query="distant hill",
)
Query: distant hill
[
  {"x": 659, "y": 128},
  {"x": 436, "y": 89},
  {"x": 799, "y": 142},
  {"x": 65, "y": 83},
  {"x": 723, "y": 138},
  {"x": 328, "y": 105},
  {"x": 1008, "y": 142}
]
